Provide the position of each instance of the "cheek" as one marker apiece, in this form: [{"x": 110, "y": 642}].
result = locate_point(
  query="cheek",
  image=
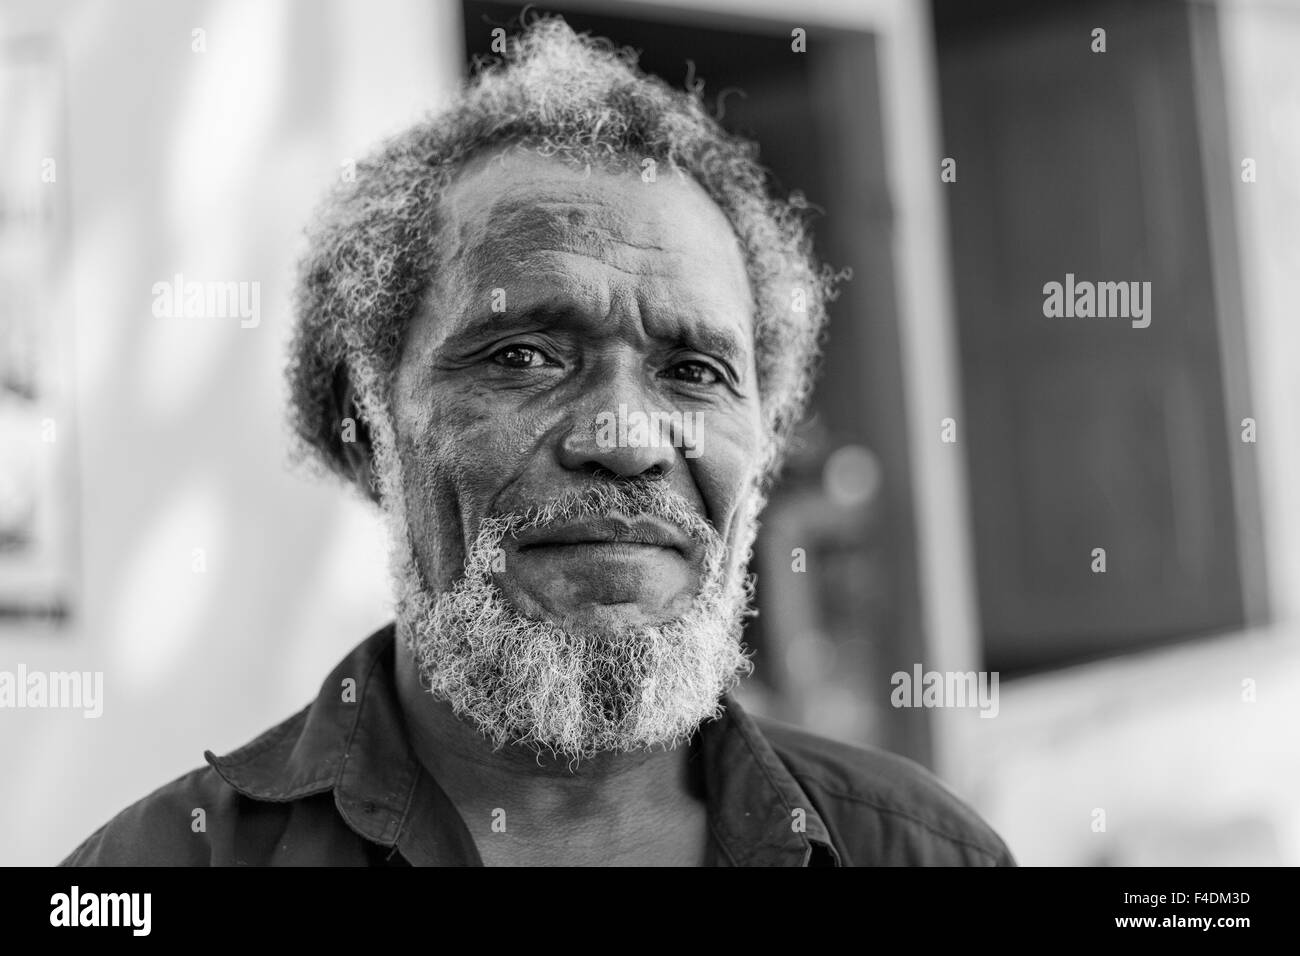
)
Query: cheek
[
  {"x": 457, "y": 456},
  {"x": 726, "y": 467}
]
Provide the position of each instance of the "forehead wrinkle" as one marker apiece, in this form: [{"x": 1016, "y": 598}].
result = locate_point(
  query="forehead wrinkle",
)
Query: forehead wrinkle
[
  {"x": 519, "y": 233},
  {"x": 563, "y": 220},
  {"x": 660, "y": 299},
  {"x": 608, "y": 221},
  {"x": 529, "y": 235}
]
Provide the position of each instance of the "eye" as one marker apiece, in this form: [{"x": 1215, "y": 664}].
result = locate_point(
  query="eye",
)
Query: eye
[
  {"x": 519, "y": 356},
  {"x": 695, "y": 373}
]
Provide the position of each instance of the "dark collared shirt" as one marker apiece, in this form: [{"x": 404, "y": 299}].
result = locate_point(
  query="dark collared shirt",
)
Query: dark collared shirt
[{"x": 338, "y": 784}]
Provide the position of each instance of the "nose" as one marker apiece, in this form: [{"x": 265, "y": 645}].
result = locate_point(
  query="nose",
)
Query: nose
[{"x": 616, "y": 430}]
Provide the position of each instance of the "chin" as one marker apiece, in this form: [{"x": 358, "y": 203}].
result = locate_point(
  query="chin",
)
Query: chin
[
  {"x": 589, "y": 603},
  {"x": 613, "y": 617}
]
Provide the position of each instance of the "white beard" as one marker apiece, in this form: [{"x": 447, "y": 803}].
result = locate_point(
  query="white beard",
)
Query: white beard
[{"x": 571, "y": 689}]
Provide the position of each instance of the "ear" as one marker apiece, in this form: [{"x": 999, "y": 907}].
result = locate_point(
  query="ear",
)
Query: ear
[{"x": 354, "y": 437}]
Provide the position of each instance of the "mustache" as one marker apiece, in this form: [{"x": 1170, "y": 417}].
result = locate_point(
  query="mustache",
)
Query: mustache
[{"x": 629, "y": 499}]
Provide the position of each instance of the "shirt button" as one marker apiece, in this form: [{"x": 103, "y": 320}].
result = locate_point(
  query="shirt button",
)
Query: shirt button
[{"x": 369, "y": 806}]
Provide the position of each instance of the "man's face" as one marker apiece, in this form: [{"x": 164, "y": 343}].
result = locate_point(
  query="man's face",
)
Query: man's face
[
  {"x": 587, "y": 331},
  {"x": 616, "y": 293}
]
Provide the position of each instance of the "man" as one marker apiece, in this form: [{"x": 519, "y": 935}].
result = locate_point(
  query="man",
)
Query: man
[{"x": 561, "y": 335}]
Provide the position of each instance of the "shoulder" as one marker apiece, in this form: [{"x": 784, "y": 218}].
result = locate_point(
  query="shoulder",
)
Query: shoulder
[
  {"x": 169, "y": 827},
  {"x": 186, "y": 822},
  {"x": 882, "y": 809}
]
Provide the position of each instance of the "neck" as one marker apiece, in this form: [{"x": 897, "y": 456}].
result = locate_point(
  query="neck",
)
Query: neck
[{"x": 591, "y": 810}]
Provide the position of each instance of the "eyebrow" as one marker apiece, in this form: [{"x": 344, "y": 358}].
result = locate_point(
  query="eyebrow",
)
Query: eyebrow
[
  {"x": 713, "y": 341},
  {"x": 479, "y": 324},
  {"x": 719, "y": 343}
]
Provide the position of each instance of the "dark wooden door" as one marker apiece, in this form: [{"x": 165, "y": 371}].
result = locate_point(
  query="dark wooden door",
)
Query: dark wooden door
[{"x": 1087, "y": 433}]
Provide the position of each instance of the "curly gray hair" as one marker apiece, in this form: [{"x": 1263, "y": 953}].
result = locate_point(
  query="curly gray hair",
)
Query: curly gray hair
[{"x": 373, "y": 246}]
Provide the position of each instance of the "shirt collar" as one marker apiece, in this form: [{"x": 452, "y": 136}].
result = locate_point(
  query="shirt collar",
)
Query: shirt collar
[
  {"x": 352, "y": 740},
  {"x": 759, "y": 813}
]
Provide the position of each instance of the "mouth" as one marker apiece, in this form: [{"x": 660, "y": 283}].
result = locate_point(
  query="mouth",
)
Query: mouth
[
  {"x": 639, "y": 562},
  {"x": 612, "y": 535},
  {"x": 603, "y": 551}
]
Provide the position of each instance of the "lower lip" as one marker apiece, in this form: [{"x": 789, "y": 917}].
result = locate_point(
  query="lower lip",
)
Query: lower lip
[{"x": 601, "y": 549}]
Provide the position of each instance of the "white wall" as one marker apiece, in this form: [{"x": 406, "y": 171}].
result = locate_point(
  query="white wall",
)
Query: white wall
[{"x": 206, "y": 164}]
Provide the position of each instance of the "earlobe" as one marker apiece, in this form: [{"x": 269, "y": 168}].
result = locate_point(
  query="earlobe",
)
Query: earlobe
[
  {"x": 359, "y": 462},
  {"x": 354, "y": 437}
]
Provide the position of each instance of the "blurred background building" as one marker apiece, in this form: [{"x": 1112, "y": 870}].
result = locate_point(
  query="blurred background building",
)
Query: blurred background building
[{"x": 965, "y": 459}]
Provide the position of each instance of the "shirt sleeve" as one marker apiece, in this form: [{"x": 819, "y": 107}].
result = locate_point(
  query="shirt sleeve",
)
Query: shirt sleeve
[{"x": 167, "y": 828}]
